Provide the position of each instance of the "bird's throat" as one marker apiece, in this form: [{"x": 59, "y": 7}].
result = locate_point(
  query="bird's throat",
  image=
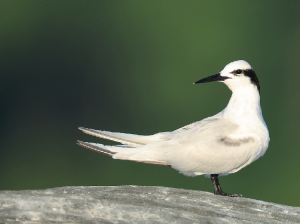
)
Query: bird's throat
[{"x": 244, "y": 105}]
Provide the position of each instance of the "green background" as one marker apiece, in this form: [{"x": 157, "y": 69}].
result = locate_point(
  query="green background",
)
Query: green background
[{"x": 128, "y": 66}]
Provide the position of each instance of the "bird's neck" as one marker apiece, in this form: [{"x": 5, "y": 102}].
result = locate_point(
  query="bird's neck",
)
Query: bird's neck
[{"x": 244, "y": 105}]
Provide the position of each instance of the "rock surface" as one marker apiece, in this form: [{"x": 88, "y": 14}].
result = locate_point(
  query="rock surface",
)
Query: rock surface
[{"x": 136, "y": 204}]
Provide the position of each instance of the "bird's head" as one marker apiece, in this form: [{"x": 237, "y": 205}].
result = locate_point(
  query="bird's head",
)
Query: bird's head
[{"x": 235, "y": 75}]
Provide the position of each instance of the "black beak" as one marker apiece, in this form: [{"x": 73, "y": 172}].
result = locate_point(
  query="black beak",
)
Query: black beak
[{"x": 212, "y": 78}]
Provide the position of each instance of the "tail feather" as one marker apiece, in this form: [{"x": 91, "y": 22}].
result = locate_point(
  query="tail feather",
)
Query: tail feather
[
  {"x": 112, "y": 150},
  {"x": 109, "y": 135},
  {"x": 95, "y": 148},
  {"x": 127, "y": 139}
]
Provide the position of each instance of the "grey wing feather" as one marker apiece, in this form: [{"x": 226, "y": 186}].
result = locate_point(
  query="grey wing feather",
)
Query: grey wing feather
[
  {"x": 102, "y": 150},
  {"x": 198, "y": 124},
  {"x": 127, "y": 139},
  {"x": 95, "y": 148}
]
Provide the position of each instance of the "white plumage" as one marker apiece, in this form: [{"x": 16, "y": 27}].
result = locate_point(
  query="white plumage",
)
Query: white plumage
[{"x": 219, "y": 145}]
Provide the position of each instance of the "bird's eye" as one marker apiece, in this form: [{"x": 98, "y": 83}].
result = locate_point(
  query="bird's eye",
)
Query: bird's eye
[{"x": 239, "y": 71}]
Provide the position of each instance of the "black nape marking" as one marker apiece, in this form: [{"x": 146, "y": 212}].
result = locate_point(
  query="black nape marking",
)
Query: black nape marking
[
  {"x": 234, "y": 142},
  {"x": 254, "y": 80},
  {"x": 251, "y": 74}
]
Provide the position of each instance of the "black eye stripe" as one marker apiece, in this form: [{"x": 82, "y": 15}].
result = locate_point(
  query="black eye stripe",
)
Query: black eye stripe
[
  {"x": 250, "y": 73},
  {"x": 237, "y": 72}
]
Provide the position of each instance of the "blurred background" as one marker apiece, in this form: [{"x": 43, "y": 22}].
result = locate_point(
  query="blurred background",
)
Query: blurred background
[{"x": 128, "y": 66}]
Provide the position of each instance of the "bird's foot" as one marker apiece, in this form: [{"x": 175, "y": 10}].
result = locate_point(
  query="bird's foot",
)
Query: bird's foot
[
  {"x": 225, "y": 194},
  {"x": 218, "y": 189},
  {"x": 233, "y": 195}
]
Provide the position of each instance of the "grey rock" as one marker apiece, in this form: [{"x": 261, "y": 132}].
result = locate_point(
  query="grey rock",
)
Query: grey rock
[{"x": 136, "y": 204}]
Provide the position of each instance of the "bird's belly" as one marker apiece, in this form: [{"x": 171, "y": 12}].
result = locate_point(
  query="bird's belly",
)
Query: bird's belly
[{"x": 223, "y": 157}]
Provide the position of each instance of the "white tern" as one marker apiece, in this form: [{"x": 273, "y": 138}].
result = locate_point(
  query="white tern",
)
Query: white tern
[{"x": 215, "y": 146}]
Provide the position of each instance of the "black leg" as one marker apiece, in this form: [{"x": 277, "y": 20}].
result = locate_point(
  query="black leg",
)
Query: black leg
[
  {"x": 217, "y": 187},
  {"x": 213, "y": 180}
]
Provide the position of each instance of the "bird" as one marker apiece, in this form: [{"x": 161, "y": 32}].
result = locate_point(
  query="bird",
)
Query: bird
[{"x": 215, "y": 146}]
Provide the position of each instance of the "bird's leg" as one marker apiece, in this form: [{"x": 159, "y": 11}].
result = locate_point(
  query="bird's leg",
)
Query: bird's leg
[
  {"x": 213, "y": 180},
  {"x": 217, "y": 187}
]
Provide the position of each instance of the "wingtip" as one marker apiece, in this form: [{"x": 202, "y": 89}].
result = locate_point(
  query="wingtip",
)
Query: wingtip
[
  {"x": 83, "y": 129},
  {"x": 93, "y": 147},
  {"x": 79, "y": 142}
]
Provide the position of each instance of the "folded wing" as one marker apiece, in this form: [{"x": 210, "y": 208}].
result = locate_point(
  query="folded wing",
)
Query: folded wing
[{"x": 204, "y": 147}]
